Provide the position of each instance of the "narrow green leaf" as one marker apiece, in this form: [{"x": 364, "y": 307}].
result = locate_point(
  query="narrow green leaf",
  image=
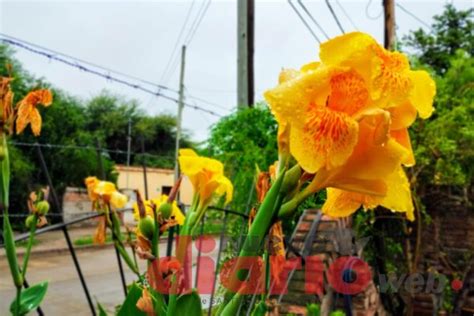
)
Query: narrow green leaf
[
  {"x": 10, "y": 249},
  {"x": 159, "y": 303},
  {"x": 260, "y": 309},
  {"x": 189, "y": 305},
  {"x": 30, "y": 298},
  {"x": 129, "y": 307},
  {"x": 101, "y": 309}
]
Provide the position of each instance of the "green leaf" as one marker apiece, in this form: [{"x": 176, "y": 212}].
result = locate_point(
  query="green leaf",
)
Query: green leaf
[
  {"x": 30, "y": 298},
  {"x": 189, "y": 305},
  {"x": 260, "y": 309},
  {"x": 101, "y": 309},
  {"x": 159, "y": 303},
  {"x": 313, "y": 310},
  {"x": 129, "y": 307}
]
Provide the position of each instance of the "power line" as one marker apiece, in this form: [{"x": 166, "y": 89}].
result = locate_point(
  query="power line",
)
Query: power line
[
  {"x": 335, "y": 16},
  {"x": 347, "y": 15},
  {"x": 83, "y": 147},
  {"x": 178, "y": 39},
  {"x": 414, "y": 16},
  {"x": 191, "y": 36},
  {"x": 312, "y": 18},
  {"x": 197, "y": 20},
  {"x": 367, "y": 14},
  {"x": 56, "y": 53},
  {"x": 304, "y": 21},
  {"x": 106, "y": 76}
]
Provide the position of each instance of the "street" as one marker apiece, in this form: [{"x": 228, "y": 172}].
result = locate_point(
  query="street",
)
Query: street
[{"x": 65, "y": 295}]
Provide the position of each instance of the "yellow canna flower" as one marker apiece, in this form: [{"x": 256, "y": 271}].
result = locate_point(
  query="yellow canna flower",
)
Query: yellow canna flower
[
  {"x": 206, "y": 176},
  {"x": 29, "y": 114},
  {"x": 324, "y": 102},
  {"x": 176, "y": 213},
  {"x": 105, "y": 191}
]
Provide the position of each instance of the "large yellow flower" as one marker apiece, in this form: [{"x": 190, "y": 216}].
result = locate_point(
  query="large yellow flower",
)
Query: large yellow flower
[
  {"x": 348, "y": 117},
  {"x": 29, "y": 114},
  {"x": 206, "y": 176},
  {"x": 324, "y": 102},
  {"x": 176, "y": 213}
]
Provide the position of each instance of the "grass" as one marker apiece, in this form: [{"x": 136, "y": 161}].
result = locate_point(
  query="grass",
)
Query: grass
[
  {"x": 88, "y": 240},
  {"x": 24, "y": 243}
]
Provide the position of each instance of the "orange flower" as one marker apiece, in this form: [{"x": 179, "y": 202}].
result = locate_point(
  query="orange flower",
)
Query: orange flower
[
  {"x": 145, "y": 303},
  {"x": 29, "y": 114}
]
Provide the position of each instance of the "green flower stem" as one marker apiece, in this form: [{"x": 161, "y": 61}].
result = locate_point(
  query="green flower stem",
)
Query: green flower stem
[
  {"x": 18, "y": 301},
  {"x": 257, "y": 232},
  {"x": 172, "y": 297},
  {"x": 119, "y": 245},
  {"x": 29, "y": 246},
  {"x": 289, "y": 207},
  {"x": 156, "y": 236}
]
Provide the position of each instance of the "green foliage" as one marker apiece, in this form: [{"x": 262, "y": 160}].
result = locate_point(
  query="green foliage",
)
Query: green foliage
[
  {"x": 129, "y": 307},
  {"x": 189, "y": 304},
  {"x": 30, "y": 298},
  {"x": 243, "y": 141},
  {"x": 452, "y": 30},
  {"x": 444, "y": 144}
]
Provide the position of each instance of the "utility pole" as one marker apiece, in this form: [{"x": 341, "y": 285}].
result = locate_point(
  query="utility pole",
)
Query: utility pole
[
  {"x": 129, "y": 147},
  {"x": 245, "y": 52},
  {"x": 389, "y": 24},
  {"x": 180, "y": 112}
]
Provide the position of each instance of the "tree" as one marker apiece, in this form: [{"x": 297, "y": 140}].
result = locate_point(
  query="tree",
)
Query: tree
[
  {"x": 452, "y": 30},
  {"x": 70, "y": 123},
  {"x": 243, "y": 141}
]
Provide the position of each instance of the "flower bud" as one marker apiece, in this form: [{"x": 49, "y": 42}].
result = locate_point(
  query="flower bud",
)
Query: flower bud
[
  {"x": 42, "y": 207},
  {"x": 146, "y": 225},
  {"x": 165, "y": 210},
  {"x": 30, "y": 221}
]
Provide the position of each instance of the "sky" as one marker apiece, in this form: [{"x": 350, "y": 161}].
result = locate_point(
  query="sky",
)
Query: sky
[{"x": 139, "y": 37}]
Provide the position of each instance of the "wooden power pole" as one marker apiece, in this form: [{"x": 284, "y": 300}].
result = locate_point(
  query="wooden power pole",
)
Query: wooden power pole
[
  {"x": 389, "y": 24},
  {"x": 180, "y": 112},
  {"x": 245, "y": 52}
]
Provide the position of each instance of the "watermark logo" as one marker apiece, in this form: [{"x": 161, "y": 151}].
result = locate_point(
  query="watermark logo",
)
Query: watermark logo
[{"x": 347, "y": 274}]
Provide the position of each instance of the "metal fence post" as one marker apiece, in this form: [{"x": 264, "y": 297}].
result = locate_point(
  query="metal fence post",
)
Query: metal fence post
[
  {"x": 57, "y": 205},
  {"x": 117, "y": 254}
]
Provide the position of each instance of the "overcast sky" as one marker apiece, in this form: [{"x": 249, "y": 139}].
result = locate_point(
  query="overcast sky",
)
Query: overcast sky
[{"x": 138, "y": 38}]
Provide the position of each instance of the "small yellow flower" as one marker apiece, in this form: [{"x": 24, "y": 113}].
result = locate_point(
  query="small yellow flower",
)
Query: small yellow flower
[
  {"x": 176, "y": 213},
  {"x": 105, "y": 191},
  {"x": 29, "y": 114},
  {"x": 206, "y": 176}
]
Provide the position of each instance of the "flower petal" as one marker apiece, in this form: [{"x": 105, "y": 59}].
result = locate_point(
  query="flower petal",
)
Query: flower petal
[
  {"x": 35, "y": 120},
  {"x": 398, "y": 196},
  {"x": 326, "y": 140},
  {"x": 290, "y": 99},
  {"x": 423, "y": 92},
  {"x": 403, "y": 138},
  {"x": 402, "y": 116},
  {"x": 340, "y": 203}
]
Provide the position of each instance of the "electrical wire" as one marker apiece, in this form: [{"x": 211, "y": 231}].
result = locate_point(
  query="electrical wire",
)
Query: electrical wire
[
  {"x": 335, "y": 16},
  {"x": 178, "y": 39},
  {"x": 191, "y": 36},
  {"x": 367, "y": 14},
  {"x": 106, "y": 69},
  {"x": 107, "y": 76},
  {"x": 413, "y": 16},
  {"x": 304, "y": 21},
  {"x": 300, "y": 2},
  {"x": 83, "y": 147},
  {"x": 346, "y": 14}
]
